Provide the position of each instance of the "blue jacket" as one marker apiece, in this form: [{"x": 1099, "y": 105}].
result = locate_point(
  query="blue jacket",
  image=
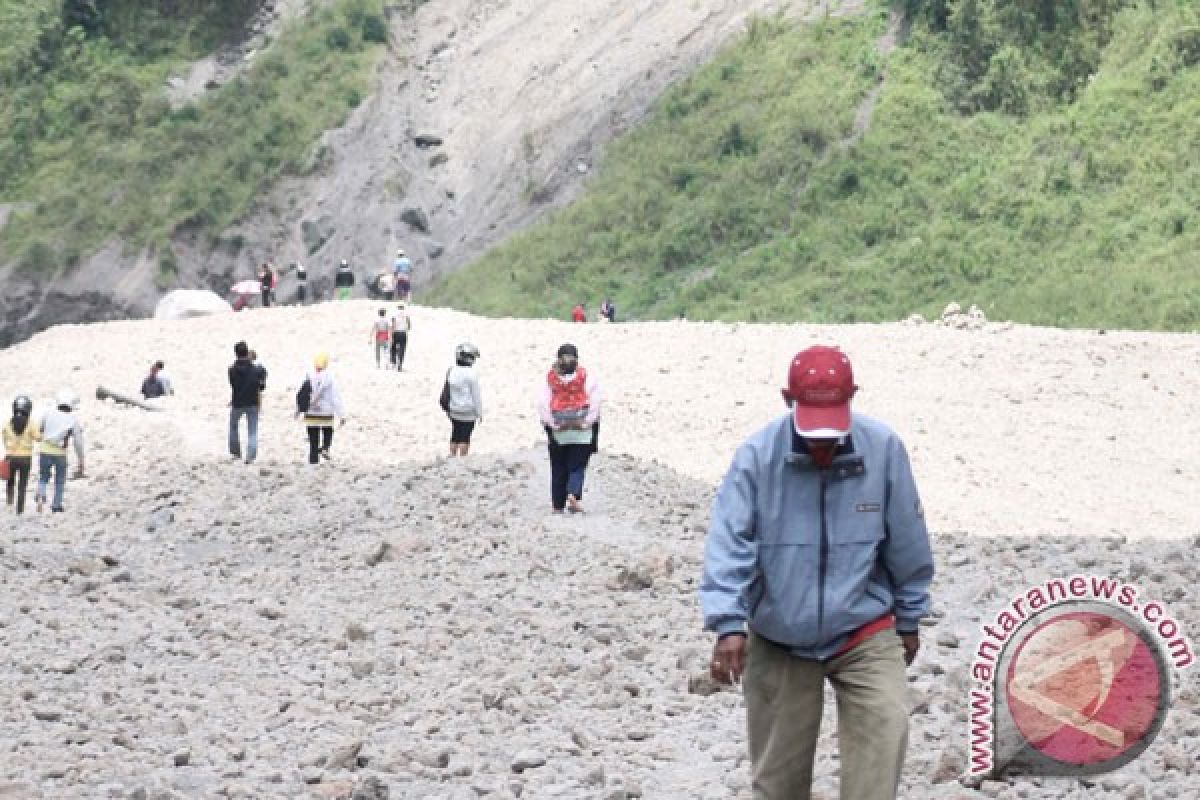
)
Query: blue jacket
[{"x": 803, "y": 556}]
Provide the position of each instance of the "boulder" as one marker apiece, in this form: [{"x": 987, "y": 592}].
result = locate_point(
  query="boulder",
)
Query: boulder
[{"x": 185, "y": 303}]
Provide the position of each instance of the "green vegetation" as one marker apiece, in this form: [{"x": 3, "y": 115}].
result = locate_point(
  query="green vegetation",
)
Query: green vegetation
[
  {"x": 92, "y": 148},
  {"x": 1035, "y": 157}
]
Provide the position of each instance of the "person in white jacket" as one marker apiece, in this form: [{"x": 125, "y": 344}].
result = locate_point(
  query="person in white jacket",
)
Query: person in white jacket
[
  {"x": 58, "y": 430},
  {"x": 465, "y": 398},
  {"x": 324, "y": 403}
]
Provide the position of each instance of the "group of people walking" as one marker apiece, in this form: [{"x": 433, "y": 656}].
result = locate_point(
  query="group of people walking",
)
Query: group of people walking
[
  {"x": 817, "y": 562},
  {"x": 389, "y": 335},
  {"x": 52, "y": 435},
  {"x": 394, "y": 283}
]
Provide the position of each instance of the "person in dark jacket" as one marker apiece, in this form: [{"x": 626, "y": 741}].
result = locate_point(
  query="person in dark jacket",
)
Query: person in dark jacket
[
  {"x": 156, "y": 383},
  {"x": 343, "y": 280},
  {"x": 246, "y": 381},
  {"x": 266, "y": 280},
  {"x": 817, "y": 568}
]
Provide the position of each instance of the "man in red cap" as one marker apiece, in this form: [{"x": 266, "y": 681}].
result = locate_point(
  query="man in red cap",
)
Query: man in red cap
[{"x": 817, "y": 567}]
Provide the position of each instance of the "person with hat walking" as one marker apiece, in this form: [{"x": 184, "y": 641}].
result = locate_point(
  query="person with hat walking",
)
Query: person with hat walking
[
  {"x": 817, "y": 567},
  {"x": 402, "y": 274},
  {"x": 569, "y": 408},
  {"x": 319, "y": 401},
  {"x": 464, "y": 398},
  {"x": 58, "y": 430}
]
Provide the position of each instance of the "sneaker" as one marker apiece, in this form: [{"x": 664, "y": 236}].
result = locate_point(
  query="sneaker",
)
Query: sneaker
[
  {"x": 573, "y": 505},
  {"x": 57, "y": 510},
  {"x": 324, "y": 453}
]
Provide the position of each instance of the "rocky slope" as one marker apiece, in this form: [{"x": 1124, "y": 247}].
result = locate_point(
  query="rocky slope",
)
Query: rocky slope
[
  {"x": 485, "y": 114},
  {"x": 393, "y": 624}
]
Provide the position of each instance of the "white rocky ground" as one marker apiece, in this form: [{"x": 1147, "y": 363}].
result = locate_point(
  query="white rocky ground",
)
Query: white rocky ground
[{"x": 394, "y": 624}]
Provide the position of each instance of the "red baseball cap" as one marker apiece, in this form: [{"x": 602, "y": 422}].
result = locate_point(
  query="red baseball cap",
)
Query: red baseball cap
[{"x": 820, "y": 386}]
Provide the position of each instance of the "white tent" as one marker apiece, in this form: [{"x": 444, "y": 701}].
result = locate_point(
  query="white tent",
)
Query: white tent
[{"x": 184, "y": 303}]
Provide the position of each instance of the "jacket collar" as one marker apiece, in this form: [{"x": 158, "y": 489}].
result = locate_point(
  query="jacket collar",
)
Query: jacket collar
[{"x": 847, "y": 463}]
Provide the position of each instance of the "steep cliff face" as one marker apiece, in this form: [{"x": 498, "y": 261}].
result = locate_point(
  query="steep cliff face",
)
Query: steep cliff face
[{"x": 485, "y": 114}]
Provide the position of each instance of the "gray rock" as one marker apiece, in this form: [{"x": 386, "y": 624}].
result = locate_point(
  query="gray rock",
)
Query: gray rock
[
  {"x": 527, "y": 759},
  {"x": 379, "y": 553},
  {"x": 317, "y": 232},
  {"x": 345, "y": 757},
  {"x": 370, "y": 788},
  {"x": 950, "y": 765},
  {"x": 947, "y": 639},
  {"x": 159, "y": 519},
  {"x": 416, "y": 219}
]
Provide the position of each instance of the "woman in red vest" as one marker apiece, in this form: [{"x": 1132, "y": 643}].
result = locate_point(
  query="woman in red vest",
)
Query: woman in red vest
[{"x": 569, "y": 407}]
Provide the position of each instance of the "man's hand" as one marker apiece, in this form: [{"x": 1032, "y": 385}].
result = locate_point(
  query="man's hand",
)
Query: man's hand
[
  {"x": 912, "y": 643},
  {"x": 728, "y": 658}
]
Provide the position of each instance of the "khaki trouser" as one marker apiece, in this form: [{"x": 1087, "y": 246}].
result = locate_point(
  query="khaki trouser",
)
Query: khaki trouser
[{"x": 784, "y": 696}]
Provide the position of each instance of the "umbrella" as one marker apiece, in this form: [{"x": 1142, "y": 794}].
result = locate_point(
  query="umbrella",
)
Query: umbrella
[{"x": 246, "y": 287}]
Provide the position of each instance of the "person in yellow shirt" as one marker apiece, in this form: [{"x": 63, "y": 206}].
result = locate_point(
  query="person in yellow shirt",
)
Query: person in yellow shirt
[{"x": 19, "y": 437}]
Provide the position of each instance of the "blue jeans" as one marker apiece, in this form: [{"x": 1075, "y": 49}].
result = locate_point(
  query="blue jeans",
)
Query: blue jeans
[
  {"x": 235, "y": 442},
  {"x": 59, "y": 465}
]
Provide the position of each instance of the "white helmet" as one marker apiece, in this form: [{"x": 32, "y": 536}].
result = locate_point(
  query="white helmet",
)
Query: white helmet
[{"x": 66, "y": 397}]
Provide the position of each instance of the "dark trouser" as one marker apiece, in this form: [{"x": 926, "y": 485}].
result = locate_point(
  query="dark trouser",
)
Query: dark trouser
[
  {"x": 266, "y": 297},
  {"x": 399, "y": 345},
  {"x": 460, "y": 431},
  {"x": 319, "y": 438},
  {"x": 301, "y": 293},
  {"x": 19, "y": 468},
  {"x": 568, "y": 465}
]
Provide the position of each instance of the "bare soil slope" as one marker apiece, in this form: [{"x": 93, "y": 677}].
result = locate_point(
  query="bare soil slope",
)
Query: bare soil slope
[{"x": 514, "y": 101}]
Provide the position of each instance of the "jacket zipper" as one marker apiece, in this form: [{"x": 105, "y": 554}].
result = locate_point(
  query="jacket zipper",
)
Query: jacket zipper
[{"x": 824, "y": 557}]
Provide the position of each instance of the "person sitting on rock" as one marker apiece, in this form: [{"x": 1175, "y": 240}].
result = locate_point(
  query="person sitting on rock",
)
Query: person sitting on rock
[{"x": 156, "y": 384}]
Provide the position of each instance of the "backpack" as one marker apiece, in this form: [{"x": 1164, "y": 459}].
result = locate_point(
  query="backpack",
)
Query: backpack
[
  {"x": 304, "y": 396},
  {"x": 444, "y": 398}
]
